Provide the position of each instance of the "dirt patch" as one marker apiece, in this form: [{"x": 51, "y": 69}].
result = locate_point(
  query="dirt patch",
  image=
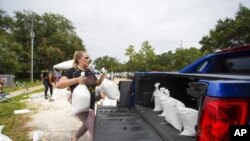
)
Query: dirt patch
[{"x": 53, "y": 119}]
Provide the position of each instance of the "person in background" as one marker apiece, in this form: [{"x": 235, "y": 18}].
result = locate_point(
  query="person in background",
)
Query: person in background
[
  {"x": 1, "y": 85},
  {"x": 56, "y": 76},
  {"x": 47, "y": 79},
  {"x": 71, "y": 79}
]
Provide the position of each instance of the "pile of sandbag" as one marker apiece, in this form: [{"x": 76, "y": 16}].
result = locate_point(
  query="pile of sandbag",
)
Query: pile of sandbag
[
  {"x": 60, "y": 94},
  {"x": 175, "y": 112}
]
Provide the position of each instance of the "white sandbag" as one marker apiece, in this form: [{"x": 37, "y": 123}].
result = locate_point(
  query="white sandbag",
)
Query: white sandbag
[
  {"x": 2, "y": 136},
  {"x": 166, "y": 92},
  {"x": 80, "y": 99},
  {"x": 157, "y": 94},
  {"x": 37, "y": 135},
  {"x": 98, "y": 90},
  {"x": 60, "y": 93},
  {"x": 109, "y": 102},
  {"x": 56, "y": 94},
  {"x": 65, "y": 94},
  {"x": 188, "y": 118},
  {"x": 103, "y": 70},
  {"x": 22, "y": 111},
  {"x": 171, "y": 114},
  {"x": 158, "y": 106},
  {"x": 110, "y": 89},
  {"x": 163, "y": 102}
]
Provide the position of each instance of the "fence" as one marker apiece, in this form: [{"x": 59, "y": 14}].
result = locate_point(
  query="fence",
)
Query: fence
[{"x": 8, "y": 80}]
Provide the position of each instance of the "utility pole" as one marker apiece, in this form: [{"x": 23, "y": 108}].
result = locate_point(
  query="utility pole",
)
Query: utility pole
[
  {"x": 32, "y": 35},
  {"x": 146, "y": 61}
]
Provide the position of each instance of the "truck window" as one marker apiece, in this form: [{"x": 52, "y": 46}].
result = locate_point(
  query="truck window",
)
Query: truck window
[
  {"x": 201, "y": 67},
  {"x": 239, "y": 66}
]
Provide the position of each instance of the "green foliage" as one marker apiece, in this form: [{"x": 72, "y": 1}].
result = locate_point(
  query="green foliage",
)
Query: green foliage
[
  {"x": 131, "y": 64},
  {"x": 55, "y": 41},
  {"x": 183, "y": 57},
  {"x": 6, "y": 22},
  {"x": 15, "y": 125},
  {"x": 146, "y": 60},
  {"x": 166, "y": 62},
  {"x": 229, "y": 32},
  {"x": 143, "y": 60},
  {"x": 8, "y": 46},
  {"x": 149, "y": 57},
  {"x": 9, "y": 51},
  {"x": 110, "y": 63}
]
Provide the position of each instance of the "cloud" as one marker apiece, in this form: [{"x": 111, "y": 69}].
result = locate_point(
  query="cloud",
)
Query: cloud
[{"x": 108, "y": 27}]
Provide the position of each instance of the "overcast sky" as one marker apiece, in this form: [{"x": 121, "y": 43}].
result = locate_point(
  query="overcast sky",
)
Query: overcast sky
[{"x": 108, "y": 27}]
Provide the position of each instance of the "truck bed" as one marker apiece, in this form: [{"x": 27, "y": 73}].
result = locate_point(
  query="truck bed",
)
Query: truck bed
[
  {"x": 125, "y": 124},
  {"x": 121, "y": 123},
  {"x": 163, "y": 128},
  {"x": 134, "y": 118}
]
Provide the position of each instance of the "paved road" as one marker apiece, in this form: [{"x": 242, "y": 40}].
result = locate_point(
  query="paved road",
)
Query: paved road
[{"x": 18, "y": 92}]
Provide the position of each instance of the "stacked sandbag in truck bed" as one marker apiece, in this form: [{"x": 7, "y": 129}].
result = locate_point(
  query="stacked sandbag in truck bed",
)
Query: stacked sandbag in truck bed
[{"x": 174, "y": 111}]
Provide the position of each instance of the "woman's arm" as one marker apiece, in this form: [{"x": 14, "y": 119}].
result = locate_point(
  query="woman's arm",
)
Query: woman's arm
[
  {"x": 99, "y": 81},
  {"x": 65, "y": 82}
]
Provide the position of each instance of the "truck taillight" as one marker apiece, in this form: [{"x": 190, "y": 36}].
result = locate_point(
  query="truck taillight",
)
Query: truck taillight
[{"x": 218, "y": 114}]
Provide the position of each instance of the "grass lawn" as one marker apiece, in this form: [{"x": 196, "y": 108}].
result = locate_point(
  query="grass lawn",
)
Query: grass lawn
[{"x": 15, "y": 123}]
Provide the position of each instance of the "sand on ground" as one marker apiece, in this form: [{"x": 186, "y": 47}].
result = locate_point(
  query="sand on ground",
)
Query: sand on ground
[{"x": 53, "y": 119}]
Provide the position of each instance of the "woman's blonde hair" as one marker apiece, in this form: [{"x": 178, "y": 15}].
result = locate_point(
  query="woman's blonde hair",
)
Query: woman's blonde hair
[{"x": 77, "y": 55}]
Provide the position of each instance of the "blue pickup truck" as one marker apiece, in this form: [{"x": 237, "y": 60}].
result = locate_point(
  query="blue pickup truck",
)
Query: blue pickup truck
[{"x": 216, "y": 85}]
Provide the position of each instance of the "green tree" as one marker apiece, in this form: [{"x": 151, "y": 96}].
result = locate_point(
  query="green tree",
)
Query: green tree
[
  {"x": 166, "y": 62},
  {"x": 132, "y": 63},
  {"x": 183, "y": 57},
  {"x": 109, "y": 63},
  {"x": 9, "y": 48},
  {"x": 55, "y": 39},
  {"x": 229, "y": 32},
  {"x": 149, "y": 57},
  {"x": 143, "y": 60}
]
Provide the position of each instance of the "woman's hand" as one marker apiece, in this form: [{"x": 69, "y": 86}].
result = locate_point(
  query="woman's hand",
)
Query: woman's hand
[
  {"x": 70, "y": 98},
  {"x": 80, "y": 80},
  {"x": 102, "y": 76}
]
